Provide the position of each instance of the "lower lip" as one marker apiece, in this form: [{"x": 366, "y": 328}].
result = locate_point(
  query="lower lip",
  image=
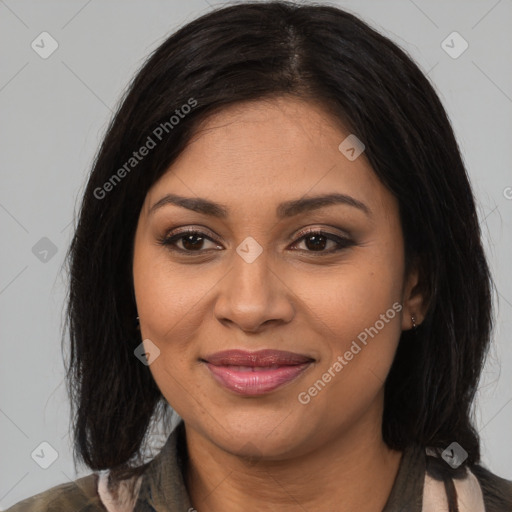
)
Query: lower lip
[{"x": 257, "y": 382}]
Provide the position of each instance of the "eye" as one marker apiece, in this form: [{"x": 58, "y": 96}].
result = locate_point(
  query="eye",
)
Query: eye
[
  {"x": 316, "y": 241},
  {"x": 193, "y": 241}
]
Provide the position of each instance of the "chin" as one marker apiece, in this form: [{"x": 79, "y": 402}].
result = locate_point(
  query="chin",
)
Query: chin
[{"x": 274, "y": 435}]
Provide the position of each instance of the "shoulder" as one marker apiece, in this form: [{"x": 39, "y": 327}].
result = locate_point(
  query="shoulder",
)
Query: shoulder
[
  {"x": 497, "y": 491},
  {"x": 79, "y": 495}
]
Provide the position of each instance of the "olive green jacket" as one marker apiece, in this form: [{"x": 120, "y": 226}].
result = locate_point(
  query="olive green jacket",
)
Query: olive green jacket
[{"x": 162, "y": 487}]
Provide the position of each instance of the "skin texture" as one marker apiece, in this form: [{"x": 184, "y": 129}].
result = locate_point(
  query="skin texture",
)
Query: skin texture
[{"x": 257, "y": 453}]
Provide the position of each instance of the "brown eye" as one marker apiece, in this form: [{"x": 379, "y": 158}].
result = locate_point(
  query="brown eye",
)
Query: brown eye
[
  {"x": 316, "y": 241},
  {"x": 191, "y": 241}
]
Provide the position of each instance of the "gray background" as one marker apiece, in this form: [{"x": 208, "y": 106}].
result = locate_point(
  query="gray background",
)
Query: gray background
[{"x": 54, "y": 112}]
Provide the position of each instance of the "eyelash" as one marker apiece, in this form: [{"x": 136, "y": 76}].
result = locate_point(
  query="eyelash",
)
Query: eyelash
[{"x": 169, "y": 240}]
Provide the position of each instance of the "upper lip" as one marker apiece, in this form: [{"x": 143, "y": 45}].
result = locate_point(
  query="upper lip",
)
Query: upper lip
[{"x": 266, "y": 357}]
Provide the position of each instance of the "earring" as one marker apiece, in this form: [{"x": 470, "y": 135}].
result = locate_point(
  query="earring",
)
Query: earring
[
  {"x": 413, "y": 322},
  {"x": 138, "y": 325}
]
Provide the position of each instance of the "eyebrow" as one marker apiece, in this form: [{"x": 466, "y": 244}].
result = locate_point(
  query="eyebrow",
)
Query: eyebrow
[{"x": 284, "y": 210}]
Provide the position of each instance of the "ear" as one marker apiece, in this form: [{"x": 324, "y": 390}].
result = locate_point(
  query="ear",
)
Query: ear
[{"x": 413, "y": 299}]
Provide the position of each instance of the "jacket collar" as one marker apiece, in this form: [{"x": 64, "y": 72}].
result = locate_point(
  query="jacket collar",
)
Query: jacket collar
[{"x": 163, "y": 487}]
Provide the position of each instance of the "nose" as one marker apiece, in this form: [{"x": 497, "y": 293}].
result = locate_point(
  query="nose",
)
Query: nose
[{"x": 253, "y": 295}]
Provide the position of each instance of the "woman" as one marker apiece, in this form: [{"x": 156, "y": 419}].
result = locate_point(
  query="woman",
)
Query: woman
[{"x": 279, "y": 240}]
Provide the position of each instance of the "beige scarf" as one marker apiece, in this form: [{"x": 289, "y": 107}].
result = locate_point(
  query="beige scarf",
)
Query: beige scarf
[{"x": 469, "y": 494}]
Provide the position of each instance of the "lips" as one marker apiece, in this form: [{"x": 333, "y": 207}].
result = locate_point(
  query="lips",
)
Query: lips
[
  {"x": 255, "y": 373},
  {"x": 262, "y": 358}
]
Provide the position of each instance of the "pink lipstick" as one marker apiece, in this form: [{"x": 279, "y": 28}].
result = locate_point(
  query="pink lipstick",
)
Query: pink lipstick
[{"x": 255, "y": 373}]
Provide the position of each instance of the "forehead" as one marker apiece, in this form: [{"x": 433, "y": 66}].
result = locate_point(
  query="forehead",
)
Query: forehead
[{"x": 267, "y": 151}]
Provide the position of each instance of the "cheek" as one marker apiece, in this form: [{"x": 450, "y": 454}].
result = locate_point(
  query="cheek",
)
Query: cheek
[
  {"x": 172, "y": 305},
  {"x": 353, "y": 296},
  {"x": 167, "y": 297},
  {"x": 357, "y": 310},
  {"x": 358, "y": 350}
]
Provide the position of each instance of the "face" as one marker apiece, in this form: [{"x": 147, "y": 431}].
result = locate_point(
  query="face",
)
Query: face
[{"x": 322, "y": 280}]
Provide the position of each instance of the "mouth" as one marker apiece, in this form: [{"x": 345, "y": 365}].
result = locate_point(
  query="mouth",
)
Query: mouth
[{"x": 255, "y": 373}]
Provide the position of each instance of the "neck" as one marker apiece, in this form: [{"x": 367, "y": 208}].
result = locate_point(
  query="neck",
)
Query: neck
[{"x": 353, "y": 471}]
